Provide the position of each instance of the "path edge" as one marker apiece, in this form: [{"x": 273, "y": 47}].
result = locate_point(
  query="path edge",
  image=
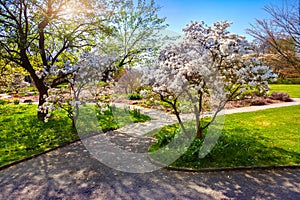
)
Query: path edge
[
  {"x": 5, "y": 166},
  {"x": 225, "y": 169}
]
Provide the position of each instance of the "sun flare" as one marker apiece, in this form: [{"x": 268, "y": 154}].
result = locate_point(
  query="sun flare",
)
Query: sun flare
[{"x": 69, "y": 13}]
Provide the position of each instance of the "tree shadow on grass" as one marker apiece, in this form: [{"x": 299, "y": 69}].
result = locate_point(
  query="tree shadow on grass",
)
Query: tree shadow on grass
[
  {"x": 72, "y": 173},
  {"x": 30, "y": 136},
  {"x": 234, "y": 150}
]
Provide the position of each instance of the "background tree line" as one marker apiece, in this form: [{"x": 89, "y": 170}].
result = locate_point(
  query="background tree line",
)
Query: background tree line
[{"x": 279, "y": 38}]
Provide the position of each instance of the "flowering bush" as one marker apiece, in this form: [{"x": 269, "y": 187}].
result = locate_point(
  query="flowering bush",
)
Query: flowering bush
[{"x": 211, "y": 65}]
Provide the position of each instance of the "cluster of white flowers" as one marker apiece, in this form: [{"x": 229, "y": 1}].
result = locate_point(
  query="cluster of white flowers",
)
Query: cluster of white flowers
[
  {"x": 208, "y": 57},
  {"x": 82, "y": 78},
  {"x": 51, "y": 103},
  {"x": 210, "y": 61},
  {"x": 93, "y": 67},
  {"x": 144, "y": 93},
  {"x": 68, "y": 68}
]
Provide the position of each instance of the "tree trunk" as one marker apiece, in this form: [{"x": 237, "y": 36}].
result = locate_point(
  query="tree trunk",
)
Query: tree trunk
[
  {"x": 74, "y": 125},
  {"x": 75, "y": 115},
  {"x": 38, "y": 82},
  {"x": 43, "y": 91},
  {"x": 180, "y": 122},
  {"x": 199, "y": 133}
]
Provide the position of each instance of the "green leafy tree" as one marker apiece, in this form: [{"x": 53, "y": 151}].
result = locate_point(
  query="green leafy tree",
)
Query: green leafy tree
[
  {"x": 40, "y": 34},
  {"x": 137, "y": 32}
]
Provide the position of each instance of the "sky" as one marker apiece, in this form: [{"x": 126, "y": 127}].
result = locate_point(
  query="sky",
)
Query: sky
[{"x": 240, "y": 12}]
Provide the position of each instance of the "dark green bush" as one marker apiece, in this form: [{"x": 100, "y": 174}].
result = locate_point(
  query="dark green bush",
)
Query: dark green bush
[
  {"x": 16, "y": 101},
  {"x": 134, "y": 96},
  {"x": 29, "y": 101}
]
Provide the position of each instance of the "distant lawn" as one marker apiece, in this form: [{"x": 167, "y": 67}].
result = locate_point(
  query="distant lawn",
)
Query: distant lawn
[
  {"x": 23, "y": 135},
  {"x": 268, "y": 137},
  {"x": 293, "y": 90}
]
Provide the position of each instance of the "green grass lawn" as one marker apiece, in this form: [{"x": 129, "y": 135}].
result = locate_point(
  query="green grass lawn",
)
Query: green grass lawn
[
  {"x": 269, "y": 137},
  {"x": 292, "y": 90},
  {"x": 23, "y": 135}
]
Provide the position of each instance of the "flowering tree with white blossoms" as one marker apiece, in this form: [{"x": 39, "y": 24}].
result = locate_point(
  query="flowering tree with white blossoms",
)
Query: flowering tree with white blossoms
[
  {"x": 210, "y": 64},
  {"x": 83, "y": 84}
]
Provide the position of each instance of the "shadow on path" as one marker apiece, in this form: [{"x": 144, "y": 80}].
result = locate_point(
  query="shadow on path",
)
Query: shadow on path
[{"x": 71, "y": 173}]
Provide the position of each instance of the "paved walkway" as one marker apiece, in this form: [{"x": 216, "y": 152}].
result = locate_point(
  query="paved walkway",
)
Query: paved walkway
[
  {"x": 161, "y": 119},
  {"x": 72, "y": 173}
]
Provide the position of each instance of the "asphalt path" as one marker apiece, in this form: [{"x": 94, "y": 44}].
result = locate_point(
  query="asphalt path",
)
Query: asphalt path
[{"x": 72, "y": 173}]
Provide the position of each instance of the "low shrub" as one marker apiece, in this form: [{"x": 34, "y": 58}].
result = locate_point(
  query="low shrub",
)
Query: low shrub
[
  {"x": 16, "y": 101},
  {"x": 282, "y": 96},
  {"x": 29, "y": 101},
  {"x": 259, "y": 102}
]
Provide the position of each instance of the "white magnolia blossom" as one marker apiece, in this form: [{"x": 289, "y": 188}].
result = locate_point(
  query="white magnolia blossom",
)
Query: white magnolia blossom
[
  {"x": 210, "y": 61},
  {"x": 93, "y": 67},
  {"x": 207, "y": 56},
  {"x": 88, "y": 72}
]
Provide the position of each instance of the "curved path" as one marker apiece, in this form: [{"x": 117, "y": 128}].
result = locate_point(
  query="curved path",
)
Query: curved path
[
  {"x": 72, "y": 173},
  {"x": 160, "y": 118}
]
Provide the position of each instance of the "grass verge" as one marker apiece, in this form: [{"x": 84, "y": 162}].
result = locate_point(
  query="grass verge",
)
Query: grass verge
[
  {"x": 269, "y": 137},
  {"x": 23, "y": 135},
  {"x": 292, "y": 90}
]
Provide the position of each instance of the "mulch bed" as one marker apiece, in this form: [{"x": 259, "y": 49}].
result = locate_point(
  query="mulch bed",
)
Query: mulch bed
[
  {"x": 30, "y": 97},
  {"x": 255, "y": 101}
]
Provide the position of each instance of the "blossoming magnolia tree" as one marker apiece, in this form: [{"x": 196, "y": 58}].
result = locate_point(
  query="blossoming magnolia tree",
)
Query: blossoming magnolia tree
[
  {"x": 209, "y": 65},
  {"x": 83, "y": 84}
]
